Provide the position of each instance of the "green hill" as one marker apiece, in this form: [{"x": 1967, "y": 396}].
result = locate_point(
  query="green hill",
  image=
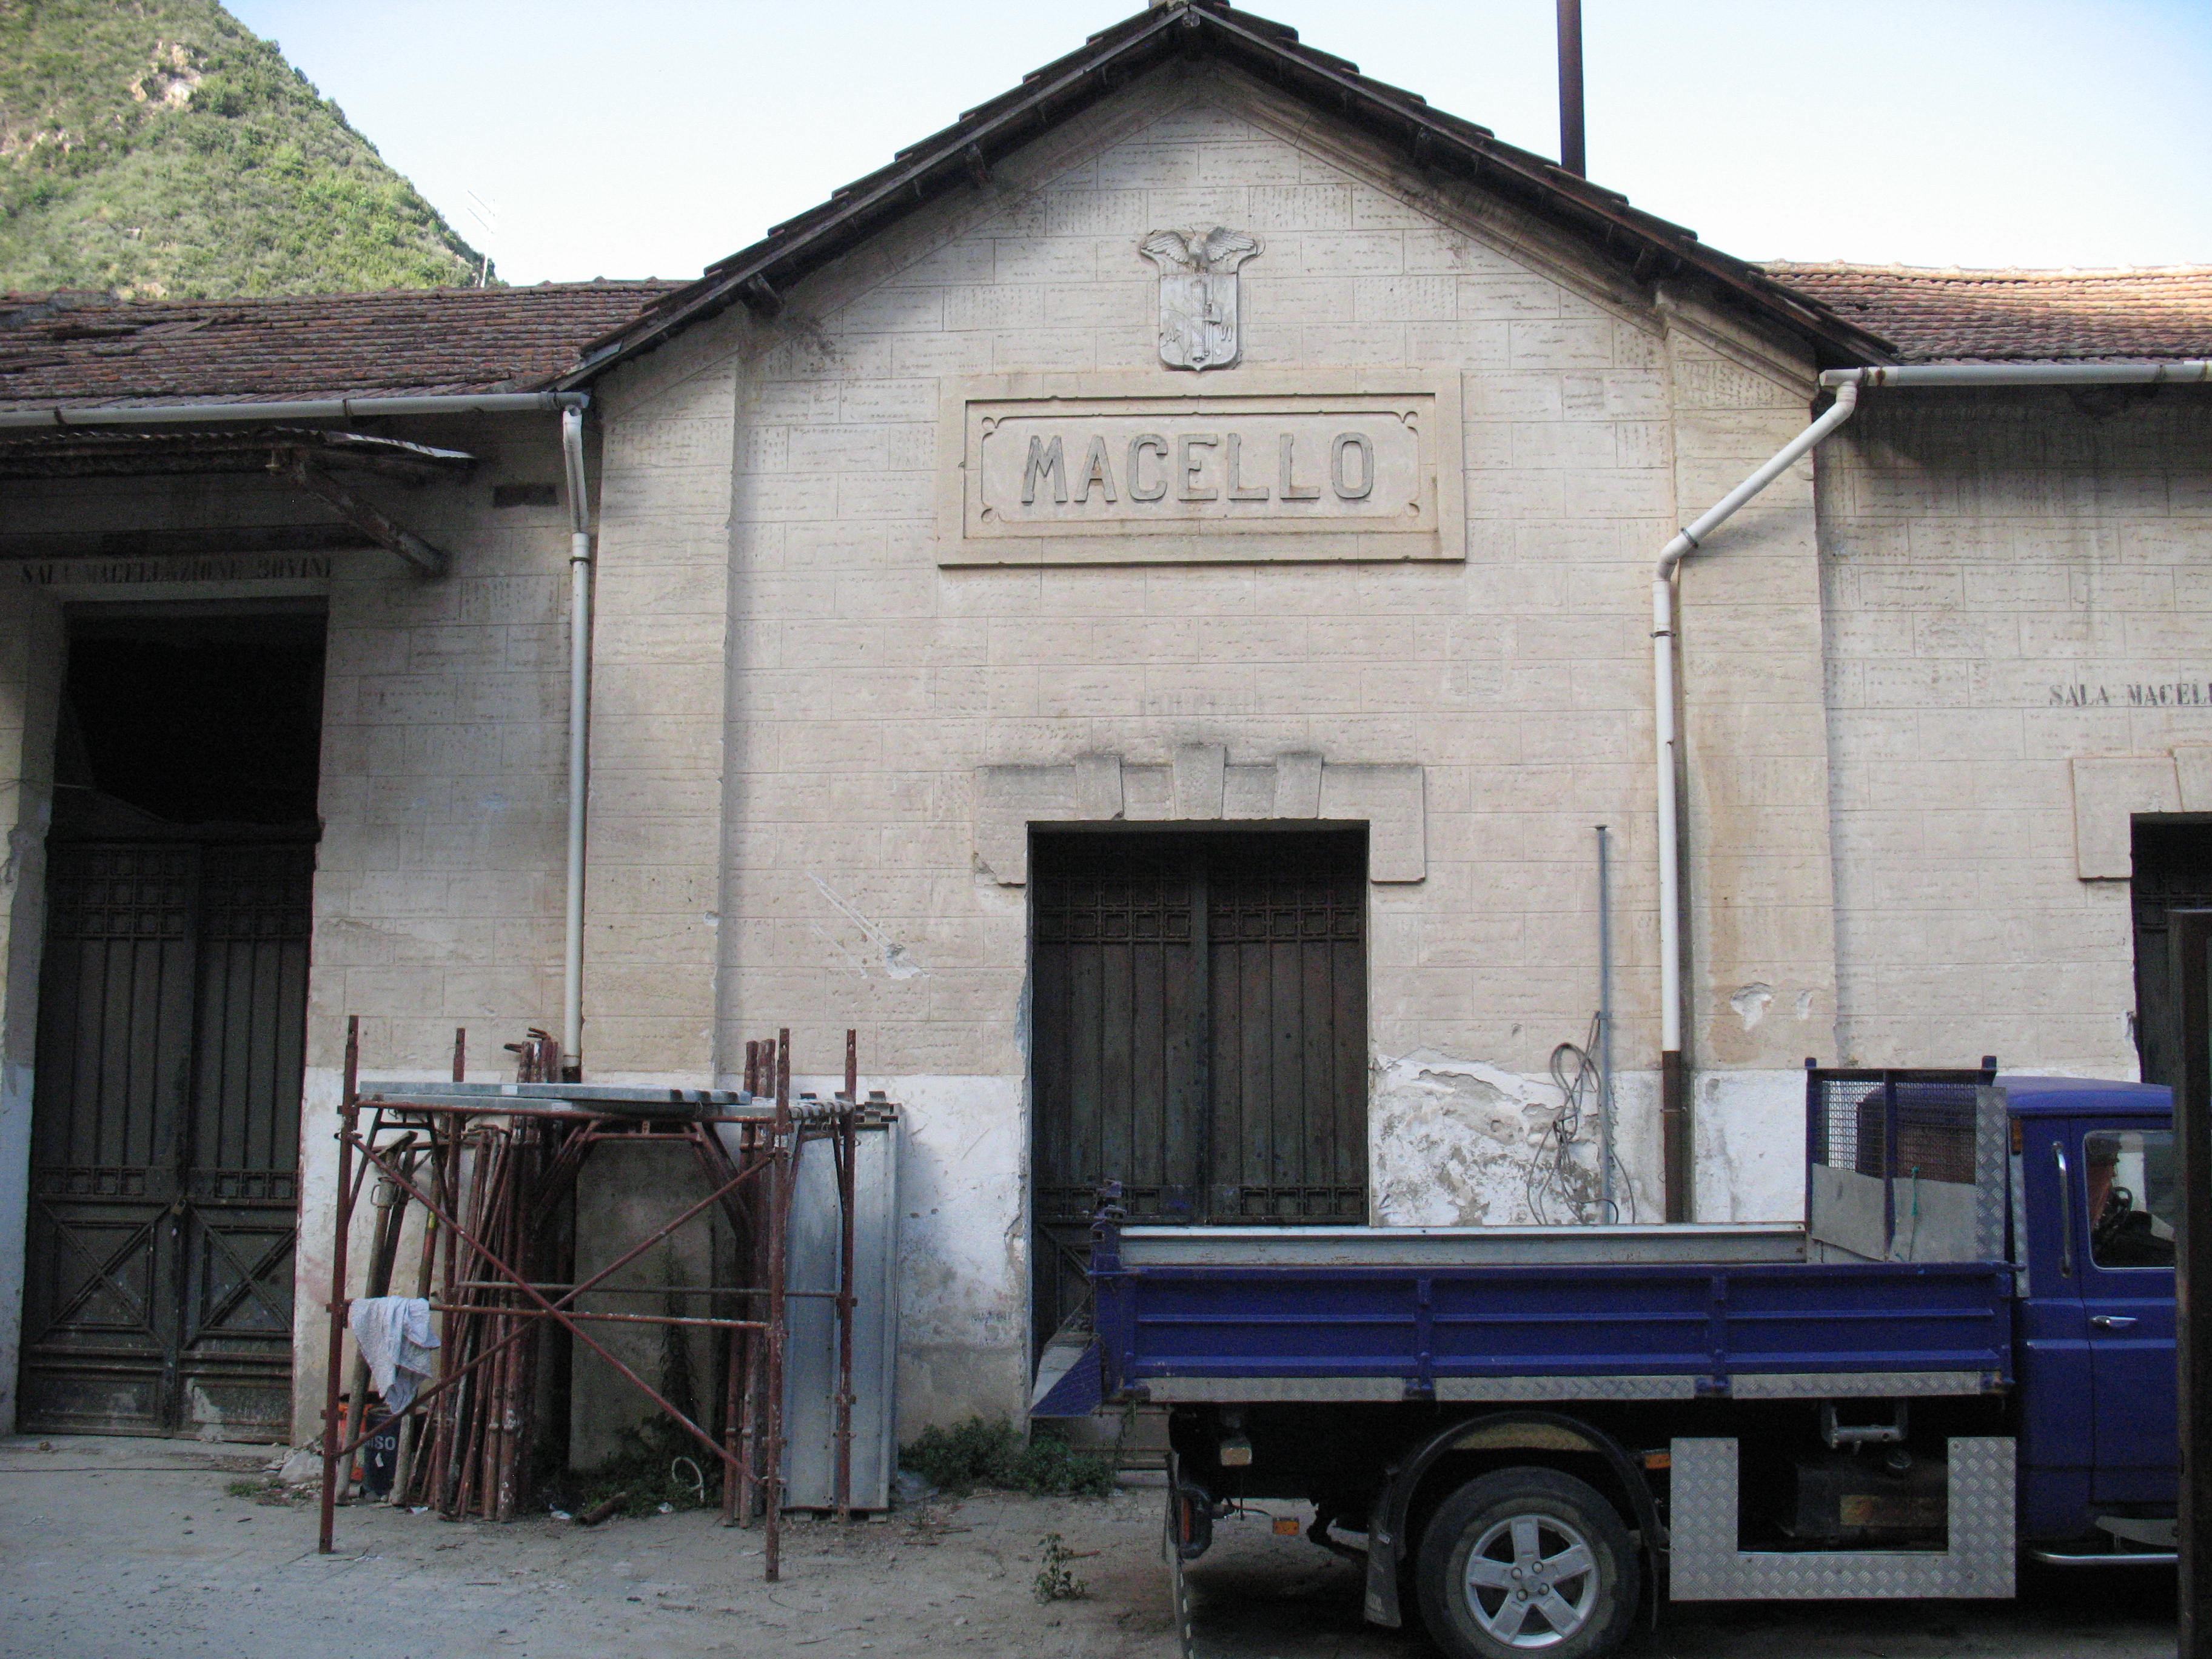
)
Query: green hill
[{"x": 157, "y": 148}]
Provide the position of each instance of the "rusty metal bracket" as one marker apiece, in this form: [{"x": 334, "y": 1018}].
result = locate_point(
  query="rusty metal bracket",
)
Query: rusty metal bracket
[{"x": 378, "y": 525}]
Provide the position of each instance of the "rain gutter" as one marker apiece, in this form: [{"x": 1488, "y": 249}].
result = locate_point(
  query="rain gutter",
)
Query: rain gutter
[
  {"x": 303, "y": 409},
  {"x": 1675, "y": 1128}
]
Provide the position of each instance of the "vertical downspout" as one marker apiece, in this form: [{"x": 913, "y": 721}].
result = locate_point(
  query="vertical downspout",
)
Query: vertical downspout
[
  {"x": 1846, "y": 383},
  {"x": 579, "y": 732},
  {"x": 1608, "y": 1204},
  {"x": 1674, "y": 1106}
]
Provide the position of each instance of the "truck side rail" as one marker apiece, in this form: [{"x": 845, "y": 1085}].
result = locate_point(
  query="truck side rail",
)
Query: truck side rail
[{"x": 1664, "y": 1331}]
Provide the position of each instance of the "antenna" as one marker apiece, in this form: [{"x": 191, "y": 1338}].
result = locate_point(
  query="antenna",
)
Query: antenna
[{"x": 1571, "y": 156}]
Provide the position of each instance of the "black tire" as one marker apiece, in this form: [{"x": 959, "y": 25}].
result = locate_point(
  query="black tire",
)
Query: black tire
[{"x": 1562, "y": 1575}]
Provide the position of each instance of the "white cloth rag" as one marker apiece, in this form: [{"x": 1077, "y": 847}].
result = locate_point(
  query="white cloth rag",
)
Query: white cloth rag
[{"x": 396, "y": 1342}]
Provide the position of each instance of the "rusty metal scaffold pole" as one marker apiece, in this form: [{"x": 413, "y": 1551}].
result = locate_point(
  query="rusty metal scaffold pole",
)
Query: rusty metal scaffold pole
[{"x": 485, "y": 1178}]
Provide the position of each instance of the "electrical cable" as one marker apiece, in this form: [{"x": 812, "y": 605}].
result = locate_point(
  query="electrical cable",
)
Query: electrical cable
[{"x": 1554, "y": 1177}]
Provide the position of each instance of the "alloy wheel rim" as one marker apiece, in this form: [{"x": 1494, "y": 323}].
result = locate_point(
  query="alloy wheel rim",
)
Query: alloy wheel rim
[{"x": 1531, "y": 1581}]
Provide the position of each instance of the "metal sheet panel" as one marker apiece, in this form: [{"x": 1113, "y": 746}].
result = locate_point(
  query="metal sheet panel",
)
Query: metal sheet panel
[
  {"x": 1862, "y": 1385},
  {"x": 1457, "y": 1247},
  {"x": 1848, "y": 1211},
  {"x": 1992, "y": 1165},
  {"x": 810, "y": 1355},
  {"x": 1510, "y": 1323},
  {"x": 1246, "y": 1390},
  {"x": 1706, "y": 1564},
  {"x": 1567, "y": 1387}
]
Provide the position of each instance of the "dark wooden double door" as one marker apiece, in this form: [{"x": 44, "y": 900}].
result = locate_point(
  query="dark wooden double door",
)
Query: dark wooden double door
[
  {"x": 165, "y": 1146},
  {"x": 1199, "y": 1021}
]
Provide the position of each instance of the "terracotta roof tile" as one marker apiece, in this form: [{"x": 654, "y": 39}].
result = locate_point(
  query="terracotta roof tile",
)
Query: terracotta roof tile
[
  {"x": 2018, "y": 316},
  {"x": 82, "y": 349}
]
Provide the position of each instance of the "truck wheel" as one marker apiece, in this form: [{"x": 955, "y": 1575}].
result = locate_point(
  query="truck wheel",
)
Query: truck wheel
[{"x": 1527, "y": 1561}]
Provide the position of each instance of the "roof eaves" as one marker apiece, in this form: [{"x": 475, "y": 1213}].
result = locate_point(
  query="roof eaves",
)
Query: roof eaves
[
  {"x": 961, "y": 152},
  {"x": 888, "y": 193}
]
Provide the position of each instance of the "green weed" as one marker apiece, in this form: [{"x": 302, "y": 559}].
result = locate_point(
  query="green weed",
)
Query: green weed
[
  {"x": 1054, "y": 1581},
  {"x": 979, "y": 1454}
]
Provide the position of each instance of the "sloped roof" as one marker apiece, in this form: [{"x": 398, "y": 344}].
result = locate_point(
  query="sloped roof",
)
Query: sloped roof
[
  {"x": 961, "y": 156},
  {"x": 2018, "y": 316},
  {"x": 82, "y": 349}
]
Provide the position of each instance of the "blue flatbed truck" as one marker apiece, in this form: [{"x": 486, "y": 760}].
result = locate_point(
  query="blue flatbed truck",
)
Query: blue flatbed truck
[{"x": 1965, "y": 1351}]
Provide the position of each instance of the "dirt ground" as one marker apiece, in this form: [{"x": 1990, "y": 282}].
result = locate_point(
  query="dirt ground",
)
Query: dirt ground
[{"x": 117, "y": 1548}]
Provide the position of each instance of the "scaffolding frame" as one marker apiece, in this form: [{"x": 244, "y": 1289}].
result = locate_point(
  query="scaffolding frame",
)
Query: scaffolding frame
[{"x": 507, "y": 1158}]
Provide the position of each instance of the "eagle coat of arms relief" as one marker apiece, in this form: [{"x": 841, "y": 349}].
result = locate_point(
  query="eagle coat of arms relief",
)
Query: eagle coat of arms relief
[{"x": 1197, "y": 294}]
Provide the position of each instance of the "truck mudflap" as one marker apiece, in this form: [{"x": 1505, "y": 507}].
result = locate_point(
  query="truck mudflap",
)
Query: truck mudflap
[
  {"x": 1533, "y": 1431},
  {"x": 1706, "y": 1564}
]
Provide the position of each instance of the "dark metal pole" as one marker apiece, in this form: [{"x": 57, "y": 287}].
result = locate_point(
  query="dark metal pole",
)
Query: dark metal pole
[
  {"x": 333, "y": 1436},
  {"x": 849, "y": 1148},
  {"x": 1571, "y": 88},
  {"x": 2193, "y": 1131},
  {"x": 782, "y": 1152}
]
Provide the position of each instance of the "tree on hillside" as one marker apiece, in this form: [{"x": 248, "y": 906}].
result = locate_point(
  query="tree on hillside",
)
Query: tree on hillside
[{"x": 158, "y": 148}]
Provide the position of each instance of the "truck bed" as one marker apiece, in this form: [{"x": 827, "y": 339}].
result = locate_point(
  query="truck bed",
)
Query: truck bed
[{"x": 1355, "y": 1313}]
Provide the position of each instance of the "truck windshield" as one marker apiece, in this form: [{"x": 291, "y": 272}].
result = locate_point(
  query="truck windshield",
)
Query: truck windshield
[{"x": 2132, "y": 1197}]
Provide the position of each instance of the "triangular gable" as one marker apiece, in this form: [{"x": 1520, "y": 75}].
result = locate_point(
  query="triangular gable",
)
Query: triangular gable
[{"x": 962, "y": 156}]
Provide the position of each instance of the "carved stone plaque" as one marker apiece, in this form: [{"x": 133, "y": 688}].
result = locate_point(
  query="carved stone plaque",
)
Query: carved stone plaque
[
  {"x": 1126, "y": 470},
  {"x": 1197, "y": 294}
]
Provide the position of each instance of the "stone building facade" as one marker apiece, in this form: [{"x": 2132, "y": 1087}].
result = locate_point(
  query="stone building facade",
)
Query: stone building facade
[{"x": 962, "y": 538}]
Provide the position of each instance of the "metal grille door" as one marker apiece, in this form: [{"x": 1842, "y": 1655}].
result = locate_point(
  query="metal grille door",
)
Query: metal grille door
[
  {"x": 164, "y": 1198},
  {"x": 1199, "y": 1005},
  {"x": 2173, "y": 872}
]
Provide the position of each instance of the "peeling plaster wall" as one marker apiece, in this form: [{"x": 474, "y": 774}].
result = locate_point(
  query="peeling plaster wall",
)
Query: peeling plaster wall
[
  {"x": 2009, "y": 581},
  {"x": 1460, "y": 1143}
]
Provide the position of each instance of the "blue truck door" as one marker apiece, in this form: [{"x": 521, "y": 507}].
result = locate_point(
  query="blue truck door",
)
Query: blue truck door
[
  {"x": 2123, "y": 1209},
  {"x": 2056, "y": 1419}
]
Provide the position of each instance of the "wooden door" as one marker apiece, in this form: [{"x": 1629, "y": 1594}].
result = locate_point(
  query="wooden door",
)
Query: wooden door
[
  {"x": 165, "y": 1140},
  {"x": 1199, "y": 1018}
]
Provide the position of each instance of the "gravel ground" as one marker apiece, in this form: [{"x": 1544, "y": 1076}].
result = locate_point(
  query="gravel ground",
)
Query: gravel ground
[{"x": 117, "y": 1548}]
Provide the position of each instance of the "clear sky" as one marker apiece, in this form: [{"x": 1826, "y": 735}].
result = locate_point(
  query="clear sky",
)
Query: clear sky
[{"x": 648, "y": 137}]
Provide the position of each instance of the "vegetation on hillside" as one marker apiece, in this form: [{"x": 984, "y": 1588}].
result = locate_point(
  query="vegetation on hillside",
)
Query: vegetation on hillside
[{"x": 158, "y": 148}]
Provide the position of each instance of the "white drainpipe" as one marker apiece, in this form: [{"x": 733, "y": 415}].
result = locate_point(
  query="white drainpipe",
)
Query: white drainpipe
[
  {"x": 1846, "y": 384},
  {"x": 297, "y": 408},
  {"x": 579, "y": 734}
]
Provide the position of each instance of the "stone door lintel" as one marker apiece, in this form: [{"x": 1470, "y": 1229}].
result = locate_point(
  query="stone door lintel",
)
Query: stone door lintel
[{"x": 1198, "y": 786}]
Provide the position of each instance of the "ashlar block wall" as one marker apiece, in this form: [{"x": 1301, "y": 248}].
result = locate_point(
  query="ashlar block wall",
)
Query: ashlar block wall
[
  {"x": 869, "y": 685},
  {"x": 2020, "y": 646}
]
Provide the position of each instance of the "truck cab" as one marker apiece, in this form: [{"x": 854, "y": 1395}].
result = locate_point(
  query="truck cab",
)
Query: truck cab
[{"x": 2095, "y": 1204}]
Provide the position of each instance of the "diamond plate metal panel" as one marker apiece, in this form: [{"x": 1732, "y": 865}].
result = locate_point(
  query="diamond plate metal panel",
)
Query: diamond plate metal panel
[
  {"x": 1245, "y": 1390},
  {"x": 1859, "y": 1385},
  {"x": 1567, "y": 1387},
  {"x": 1707, "y": 1566},
  {"x": 1990, "y": 1152}
]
